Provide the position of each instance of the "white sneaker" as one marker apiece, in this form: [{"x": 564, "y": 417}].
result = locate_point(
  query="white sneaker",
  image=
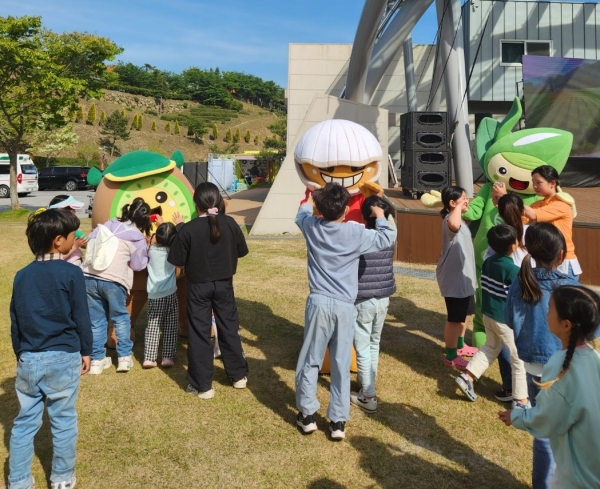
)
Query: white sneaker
[
  {"x": 98, "y": 366},
  {"x": 240, "y": 384},
  {"x": 70, "y": 484},
  {"x": 125, "y": 364},
  {"x": 367, "y": 405}
]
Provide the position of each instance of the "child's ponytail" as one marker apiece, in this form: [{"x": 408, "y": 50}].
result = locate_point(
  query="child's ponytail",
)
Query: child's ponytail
[
  {"x": 510, "y": 208},
  {"x": 450, "y": 194},
  {"x": 208, "y": 200},
  {"x": 581, "y": 307},
  {"x": 547, "y": 246},
  {"x": 138, "y": 212}
]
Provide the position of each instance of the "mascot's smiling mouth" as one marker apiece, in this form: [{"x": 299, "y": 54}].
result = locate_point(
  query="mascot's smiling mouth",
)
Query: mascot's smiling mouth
[
  {"x": 518, "y": 184},
  {"x": 344, "y": 182}
]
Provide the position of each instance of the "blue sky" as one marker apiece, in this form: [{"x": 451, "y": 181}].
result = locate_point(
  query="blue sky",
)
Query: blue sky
[{"x": 234, "y": 35}]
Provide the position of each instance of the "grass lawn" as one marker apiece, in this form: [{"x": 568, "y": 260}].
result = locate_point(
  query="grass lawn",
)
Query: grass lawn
[{"x": 141, "y": 429}]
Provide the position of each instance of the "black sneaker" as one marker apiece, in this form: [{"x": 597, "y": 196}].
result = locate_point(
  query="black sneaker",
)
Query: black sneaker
[
  {"x": 338, "y": 430},
  {"x": 306, "y": 423},
  {"x": 504, "y": 395}
]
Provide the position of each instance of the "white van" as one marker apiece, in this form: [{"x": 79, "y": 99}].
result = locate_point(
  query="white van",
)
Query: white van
[{"x": 27, "y": 175}]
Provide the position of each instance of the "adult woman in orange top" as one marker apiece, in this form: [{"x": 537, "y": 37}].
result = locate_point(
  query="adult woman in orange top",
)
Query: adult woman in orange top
[{"x": 554, "y": 210}]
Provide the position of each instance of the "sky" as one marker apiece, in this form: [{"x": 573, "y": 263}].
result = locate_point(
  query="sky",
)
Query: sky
[{"x": 234, "y": 35}]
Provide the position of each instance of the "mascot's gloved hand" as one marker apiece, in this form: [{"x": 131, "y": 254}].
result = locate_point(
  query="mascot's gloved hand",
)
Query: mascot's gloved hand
[
  {"x": 370, "y": 188},
  {"x": 432, "y": 199},
  {"x": 565, "y": 197}
]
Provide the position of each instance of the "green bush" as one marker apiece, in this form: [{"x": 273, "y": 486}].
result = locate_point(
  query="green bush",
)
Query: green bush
[
  {"x": 151, "y": 112},
  {"x": 91, "y": 117}
]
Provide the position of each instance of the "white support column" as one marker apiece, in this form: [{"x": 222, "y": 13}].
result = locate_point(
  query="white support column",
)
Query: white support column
[{"x": 409, "y": 73}]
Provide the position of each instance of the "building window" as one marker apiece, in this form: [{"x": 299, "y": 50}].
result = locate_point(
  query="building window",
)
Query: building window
[{"x": 512, "y": 51}]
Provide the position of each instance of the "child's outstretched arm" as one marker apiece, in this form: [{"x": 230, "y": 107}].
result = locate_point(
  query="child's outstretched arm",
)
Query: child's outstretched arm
[
  {"x": 304, "y": 212},
  {"x": 379, "y": 239}
]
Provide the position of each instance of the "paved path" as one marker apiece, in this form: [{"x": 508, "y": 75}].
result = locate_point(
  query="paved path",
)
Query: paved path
[{"x": 42, "y": 198}]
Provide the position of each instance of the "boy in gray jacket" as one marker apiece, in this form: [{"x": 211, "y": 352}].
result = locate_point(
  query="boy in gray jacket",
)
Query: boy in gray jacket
[{"x": 334, "y": 248}]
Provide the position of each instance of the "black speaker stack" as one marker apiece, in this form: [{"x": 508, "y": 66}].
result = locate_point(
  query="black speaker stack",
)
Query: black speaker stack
[
  {"x": 196, "y": 172},
  {"x": 426, "y": 152}
]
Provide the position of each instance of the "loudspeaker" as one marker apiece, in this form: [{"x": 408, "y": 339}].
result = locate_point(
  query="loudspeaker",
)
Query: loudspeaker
[
  {"x": 196, "y": 172},
  {"x": 426, "y": 170},
  {"x": 424, "y": 130}
]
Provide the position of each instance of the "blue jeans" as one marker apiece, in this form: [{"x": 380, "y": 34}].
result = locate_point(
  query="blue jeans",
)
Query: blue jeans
[
  {"x": 327, "y": 321},
  {"x": 369, "y": 316},
  {"x": 107, "y": 300},
  {"x": 543, "y": 462},
  {"x": 51, "y": 376}
]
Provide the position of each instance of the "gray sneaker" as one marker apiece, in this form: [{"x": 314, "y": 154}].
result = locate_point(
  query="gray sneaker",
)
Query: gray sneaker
[
  {"x": 70, "y": 484},
  {"x": 125, "y": 364},
  {"x": 520, "y": 405},
  {"x": 466, "y": 386},
  {"x": 367, "y": 405},
  {"x": 209, "y": 394}
]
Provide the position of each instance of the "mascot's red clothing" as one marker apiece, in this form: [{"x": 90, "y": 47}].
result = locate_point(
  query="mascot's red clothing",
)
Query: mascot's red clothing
[{"x": 354, "y": 213}]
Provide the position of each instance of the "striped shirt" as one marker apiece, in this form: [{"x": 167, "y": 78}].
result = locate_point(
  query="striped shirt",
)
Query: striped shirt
[{"x": 497, "y": 274}]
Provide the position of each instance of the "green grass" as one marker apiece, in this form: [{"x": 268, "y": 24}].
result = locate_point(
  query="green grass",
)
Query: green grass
[
  {"x": 141, "y": 429},
  {"x": 15, "y": 215}
]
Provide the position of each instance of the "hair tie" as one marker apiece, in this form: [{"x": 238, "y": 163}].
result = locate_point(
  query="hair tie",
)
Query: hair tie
[{"x": 213, "y": 211}]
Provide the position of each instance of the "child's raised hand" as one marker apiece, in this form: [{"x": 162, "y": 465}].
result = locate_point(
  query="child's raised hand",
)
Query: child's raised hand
[
  {"x": 505, "y": 417},
  {"x": 309, "y": 199},
  {"x": 159, "y": 219},
  {"x": 85, "y": 364},
  {"x": 377, "y": 212},
  {"x": 177, "y": 218},
  {"x": 80, "y": 243}
]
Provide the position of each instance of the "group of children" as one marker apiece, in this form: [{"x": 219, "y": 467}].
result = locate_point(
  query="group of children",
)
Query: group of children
[
  {"x": 541, "y": 315},
  {"x": 60, "y": 312},
  {"x": 533, "y": 306}
]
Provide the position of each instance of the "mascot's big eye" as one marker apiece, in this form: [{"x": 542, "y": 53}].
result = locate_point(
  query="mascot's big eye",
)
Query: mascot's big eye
[
  {"x": 502, "y": 170},
  {"x": 329, "y": 169},
  {"x": 161, "y": 197},
  {"x": 356, "y": 168}
]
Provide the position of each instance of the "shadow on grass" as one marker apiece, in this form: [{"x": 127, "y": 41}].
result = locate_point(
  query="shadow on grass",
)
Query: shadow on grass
[
  {"x": 414, "y": 345},
  {"x": 393, "y": 466},
  {"x": 325, "y": 484},
  {"x": 9, "y": 408}
]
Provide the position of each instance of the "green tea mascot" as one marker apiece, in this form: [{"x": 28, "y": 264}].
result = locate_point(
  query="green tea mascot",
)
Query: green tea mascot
[
  {"x": 159, "y": 181},
  {"x": 507, "y": 157}
]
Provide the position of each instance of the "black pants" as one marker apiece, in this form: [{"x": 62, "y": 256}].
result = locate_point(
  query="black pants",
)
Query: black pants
[{"x": 217, "y": 297}]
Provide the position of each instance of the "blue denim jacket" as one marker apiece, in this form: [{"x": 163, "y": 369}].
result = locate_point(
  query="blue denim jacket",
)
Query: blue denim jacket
[{"x": 535, "y": 343}]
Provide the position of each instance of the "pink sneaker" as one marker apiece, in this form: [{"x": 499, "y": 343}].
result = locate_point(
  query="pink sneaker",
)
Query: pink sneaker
[
  {"x": 458, "y": 362},
  {"x": 167, "y": 362},
  {"x": 148, "y": 364},
  {"x": 466, "y": 351}
]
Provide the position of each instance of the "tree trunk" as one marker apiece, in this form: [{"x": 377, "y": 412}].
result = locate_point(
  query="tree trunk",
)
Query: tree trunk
[
  {"x": 47, "y": 161},
  {"x": 14, "y": 198}
]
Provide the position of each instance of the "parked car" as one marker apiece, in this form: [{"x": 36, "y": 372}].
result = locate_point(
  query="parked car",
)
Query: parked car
[
  {"x": 27, "y": 175},
  {"x": 68, "y": 177}
]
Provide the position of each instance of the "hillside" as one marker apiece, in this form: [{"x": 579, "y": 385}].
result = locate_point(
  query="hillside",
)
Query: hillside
[{"x": 252, "y": 118}]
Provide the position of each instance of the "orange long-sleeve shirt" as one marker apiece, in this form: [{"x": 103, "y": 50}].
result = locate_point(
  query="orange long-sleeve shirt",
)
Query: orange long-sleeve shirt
[{"x": 559, "y": 213}]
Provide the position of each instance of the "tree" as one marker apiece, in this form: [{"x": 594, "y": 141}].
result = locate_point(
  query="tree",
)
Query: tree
[
  {"x": 134, "y": 122},
  {"x": 123, "y": 114},
  {"x": 168, "y": 127},
  {"x": 215, "y": 132},
  {"x": 228, "y": 137},
  {"x": 79, "y": 113},
  {"x": 44, "y": 73},
  {"x": 49, "y": 143},
  {"x": 140, "y": 122},
  {"x": 176, "y": 129},
  {"x": 256, "y": 139},
  {"x": 247, "y": 136},
  {"x": 237, "y": 136},
  {"x": 115, "y": 129},
  {"x": 102, "y": 118},
  {"x": 91, "y": 117},
  {"x": 88, "y": 152},
  {"x": 153, "y": 128}
]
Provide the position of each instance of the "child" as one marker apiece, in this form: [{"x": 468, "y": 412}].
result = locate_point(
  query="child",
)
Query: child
[
  {"x": 567, "y": 411},
  {"x": 163, "y": 307},
  {"x": 525, "y": 313},
  {"x": 67, "y": 202},
  {"x": 455, "y": 274},
  {"x": 497, "y": 274},
  {"x": 209, "y": 247},
  {"x": 52, "y": 339},
  {"x": 376, "y": 284},
  {"x": 107, "y": 289},
  {"x": 334, "y": 248}
]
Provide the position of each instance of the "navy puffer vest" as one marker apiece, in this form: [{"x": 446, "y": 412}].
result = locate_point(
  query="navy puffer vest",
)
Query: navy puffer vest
[{"x": 376, "y": 275}]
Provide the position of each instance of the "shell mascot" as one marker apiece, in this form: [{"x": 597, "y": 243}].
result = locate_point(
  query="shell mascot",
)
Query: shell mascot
[
  {"x": 159, "y": 181},
  {"x": 507, "y": 157},
  {"x": 343, "y": 152}
]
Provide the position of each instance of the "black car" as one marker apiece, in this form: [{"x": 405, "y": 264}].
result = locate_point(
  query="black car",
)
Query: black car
[{"x": 68, "y": 177}]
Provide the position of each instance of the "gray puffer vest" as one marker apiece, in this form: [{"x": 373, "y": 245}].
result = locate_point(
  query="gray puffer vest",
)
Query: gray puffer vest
[{"x": 376, "y": 275}]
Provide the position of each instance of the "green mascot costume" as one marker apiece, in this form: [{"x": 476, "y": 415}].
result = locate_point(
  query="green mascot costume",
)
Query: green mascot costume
[{"x": 507, "y": 157}]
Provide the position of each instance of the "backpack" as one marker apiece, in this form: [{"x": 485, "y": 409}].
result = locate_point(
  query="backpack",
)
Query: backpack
[{"x": 101, "y": 249}]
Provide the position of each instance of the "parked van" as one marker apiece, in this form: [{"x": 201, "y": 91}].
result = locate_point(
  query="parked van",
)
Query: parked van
[{"x": 27, "y": 175}]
